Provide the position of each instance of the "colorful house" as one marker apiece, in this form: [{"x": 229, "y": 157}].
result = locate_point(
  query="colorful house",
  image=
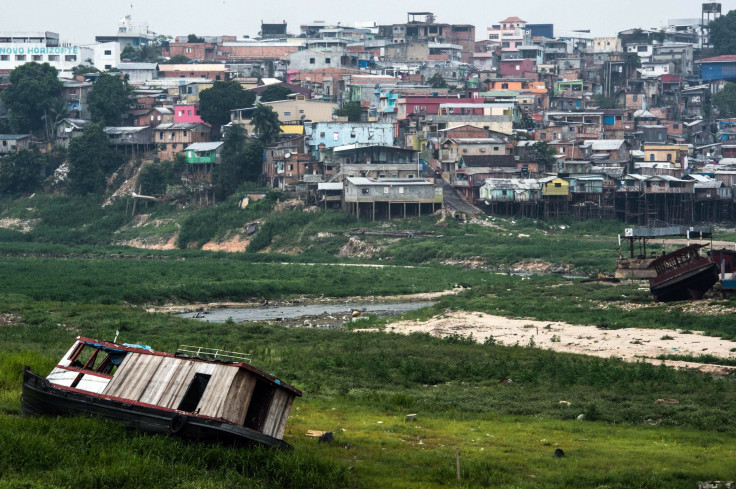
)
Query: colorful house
[{"x": 555, "y": 187}]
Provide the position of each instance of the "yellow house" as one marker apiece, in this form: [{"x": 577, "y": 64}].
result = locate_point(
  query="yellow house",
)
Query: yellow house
[
  {"x": 556, "y": 187},
  {"x": 672, "y": 153}
]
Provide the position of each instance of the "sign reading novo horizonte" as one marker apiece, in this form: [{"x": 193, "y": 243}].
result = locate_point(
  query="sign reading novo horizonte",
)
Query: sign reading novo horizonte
[{"x": 38, "y": 50}]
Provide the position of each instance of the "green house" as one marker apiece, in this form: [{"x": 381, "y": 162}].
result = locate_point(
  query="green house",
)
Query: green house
[{"x": 203, "y": 153}]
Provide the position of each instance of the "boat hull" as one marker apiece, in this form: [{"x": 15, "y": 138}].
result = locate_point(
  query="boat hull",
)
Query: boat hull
[
  {"x": 40, "y": 397},
  {"x": 690, "y": 285}
]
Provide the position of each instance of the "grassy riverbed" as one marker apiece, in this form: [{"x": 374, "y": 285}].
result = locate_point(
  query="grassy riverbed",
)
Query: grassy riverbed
[{"x": 361, "y": 385}]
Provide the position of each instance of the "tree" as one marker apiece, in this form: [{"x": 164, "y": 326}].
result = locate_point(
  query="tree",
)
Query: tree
[
  {"x": 275, "y": 92},
  {"x": 154, "y": 178},
  {"x": 23, "y": 171},
  {"x": 179, "y": 59},
  {"x": 241, "y": 161},
  {"x": 90, "y": 160},
  {"x": 725, "y": 100},
  {"x": 545, "y": 154},
  {"x": 128, "y": 52},
  {"x": 352, "y": 110},
  {"x": 723, "y": 33},
  {"x": 84, "y": 69},
  {"x": 194, "y": 38},
  {"x": 604, "y": 102},
  {"x": 266, "y": 123},
  {"x": 109, "y": 99},
  {"x": 33, "y": 89},
  {"x": 216, "y": 103},
  {"x": 437, "y": 81},
  {"x": 54, "y": 114}
]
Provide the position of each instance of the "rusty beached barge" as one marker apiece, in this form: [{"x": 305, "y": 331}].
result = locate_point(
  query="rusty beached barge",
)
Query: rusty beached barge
[{"x": 197, "y": 394}]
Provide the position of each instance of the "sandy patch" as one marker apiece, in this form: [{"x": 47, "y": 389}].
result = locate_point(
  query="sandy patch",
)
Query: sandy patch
[
  {"x": 234, "y": 245},
  {"x": 631, "y": 344},
  {"x": 154, "y": 244},
  {"x": 22, "y": 225}
]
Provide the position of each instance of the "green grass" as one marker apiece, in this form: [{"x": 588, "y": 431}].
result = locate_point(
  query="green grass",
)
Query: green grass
[{"x": 63, "y": 279}]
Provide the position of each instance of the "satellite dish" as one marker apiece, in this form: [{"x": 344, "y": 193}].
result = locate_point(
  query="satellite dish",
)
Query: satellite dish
[{"x": 287, "y": 155}]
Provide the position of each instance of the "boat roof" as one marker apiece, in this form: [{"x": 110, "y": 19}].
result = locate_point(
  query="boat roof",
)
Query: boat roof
[{"x": 145, "y": 350}]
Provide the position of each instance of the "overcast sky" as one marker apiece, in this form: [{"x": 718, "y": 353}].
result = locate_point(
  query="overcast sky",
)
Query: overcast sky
[{"x": 78, "y": 21}]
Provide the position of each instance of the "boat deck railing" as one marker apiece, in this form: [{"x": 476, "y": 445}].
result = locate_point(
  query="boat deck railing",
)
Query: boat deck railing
[{"x": 213, "y": 353}]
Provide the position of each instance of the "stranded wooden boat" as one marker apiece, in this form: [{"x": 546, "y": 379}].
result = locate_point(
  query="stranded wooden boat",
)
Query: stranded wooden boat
[
  {"x": 683, "y": 274},
  {"x": 219, "y": 399}
]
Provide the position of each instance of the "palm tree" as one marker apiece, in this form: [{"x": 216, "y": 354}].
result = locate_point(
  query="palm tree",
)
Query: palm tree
[
  {"x": 52, "y": 115},
  {"x": 266, "y": 123}
]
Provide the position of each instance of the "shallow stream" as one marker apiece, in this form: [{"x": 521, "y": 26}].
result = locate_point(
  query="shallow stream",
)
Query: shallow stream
[{"x": 315, "y": 315}]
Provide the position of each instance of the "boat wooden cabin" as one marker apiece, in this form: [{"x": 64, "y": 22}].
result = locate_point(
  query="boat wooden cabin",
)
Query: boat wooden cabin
[{"x": 217, "y": 398}]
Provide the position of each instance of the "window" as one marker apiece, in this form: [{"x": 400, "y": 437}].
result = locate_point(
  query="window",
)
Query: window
[
  {"x": 189, "y": 50},
  {"x": 669, "y": 156},
  {"x": 495, "y": 148},
  {"x": 321, "y": 134},
  {"x": 492, "y": 36},
  {"x": 558, "y": 185},
  {"x": 635, "y": 98},
  {"x": 518, "y": 67},
  {"x": 301, "y": 111},
  {"x": 108, "y": 52},
  {"x": 675, "y": 126},
  {"x": 4, "y": 57},
  {"x": 641, "y": 49},
  {"x": 20, "y": 57},
  {"x": 287, "y": 114},
  {"x": 181, "y": 112},
  {"x": 365, "y": 191},
  {"x": 189, "y": 112},
  {"x": 327, "y": 61},
  {"x": 108, "y": 67},
  {"x": 184, "y": 133},
  {"x": 291, "y": 167},
  {"x": 504, "y": 44},
  {"x": 335, "y": 136},
  {"x": 70, "y": 57},
  {"x": 385, "y": 190},
  {"x": 651, "y": 157},
  {"x": 152, "y": 118},
  {"x": 401, "y": 190},
  {"x": 37, "y": 57},
  {"x": 504, "y": 85},
  {"x": 311, "y": 61},
  {"x": 161, "y": 135}
]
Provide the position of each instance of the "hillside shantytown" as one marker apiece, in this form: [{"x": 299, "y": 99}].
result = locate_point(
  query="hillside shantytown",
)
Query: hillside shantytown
[{"x": 391, "y": 121}]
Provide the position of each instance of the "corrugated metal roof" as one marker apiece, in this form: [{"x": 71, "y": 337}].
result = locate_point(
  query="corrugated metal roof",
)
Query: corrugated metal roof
[
  {"x": 387, "y": 181},
  {"x": 137, "y": 66},
  {"x": 178, "y": 126},
  {"x": 604, "y": 144},
  {"x": 204, "y": 146}
]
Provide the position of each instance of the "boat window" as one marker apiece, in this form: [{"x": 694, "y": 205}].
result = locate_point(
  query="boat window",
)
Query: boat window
[
  {"x": 194, "y": 393},
  {"x": 97, "y": 358}
]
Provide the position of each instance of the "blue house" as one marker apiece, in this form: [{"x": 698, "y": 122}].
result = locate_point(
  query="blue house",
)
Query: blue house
[
  {"x": 718, "y": 68},
  {"x": 328, "y": 135}
]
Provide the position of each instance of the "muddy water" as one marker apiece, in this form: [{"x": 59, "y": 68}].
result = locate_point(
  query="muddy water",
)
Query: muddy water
[{"x": 320, "y": 315}]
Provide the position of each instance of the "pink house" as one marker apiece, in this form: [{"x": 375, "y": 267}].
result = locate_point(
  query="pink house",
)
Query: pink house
[{"x": 187, "y": 113}]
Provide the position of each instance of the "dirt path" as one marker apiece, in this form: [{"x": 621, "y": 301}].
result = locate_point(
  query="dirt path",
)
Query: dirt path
[{"x": 630, "y": 344}]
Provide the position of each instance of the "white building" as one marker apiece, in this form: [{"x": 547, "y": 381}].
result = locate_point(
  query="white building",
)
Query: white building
[{"x": 18, "y": 48}]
